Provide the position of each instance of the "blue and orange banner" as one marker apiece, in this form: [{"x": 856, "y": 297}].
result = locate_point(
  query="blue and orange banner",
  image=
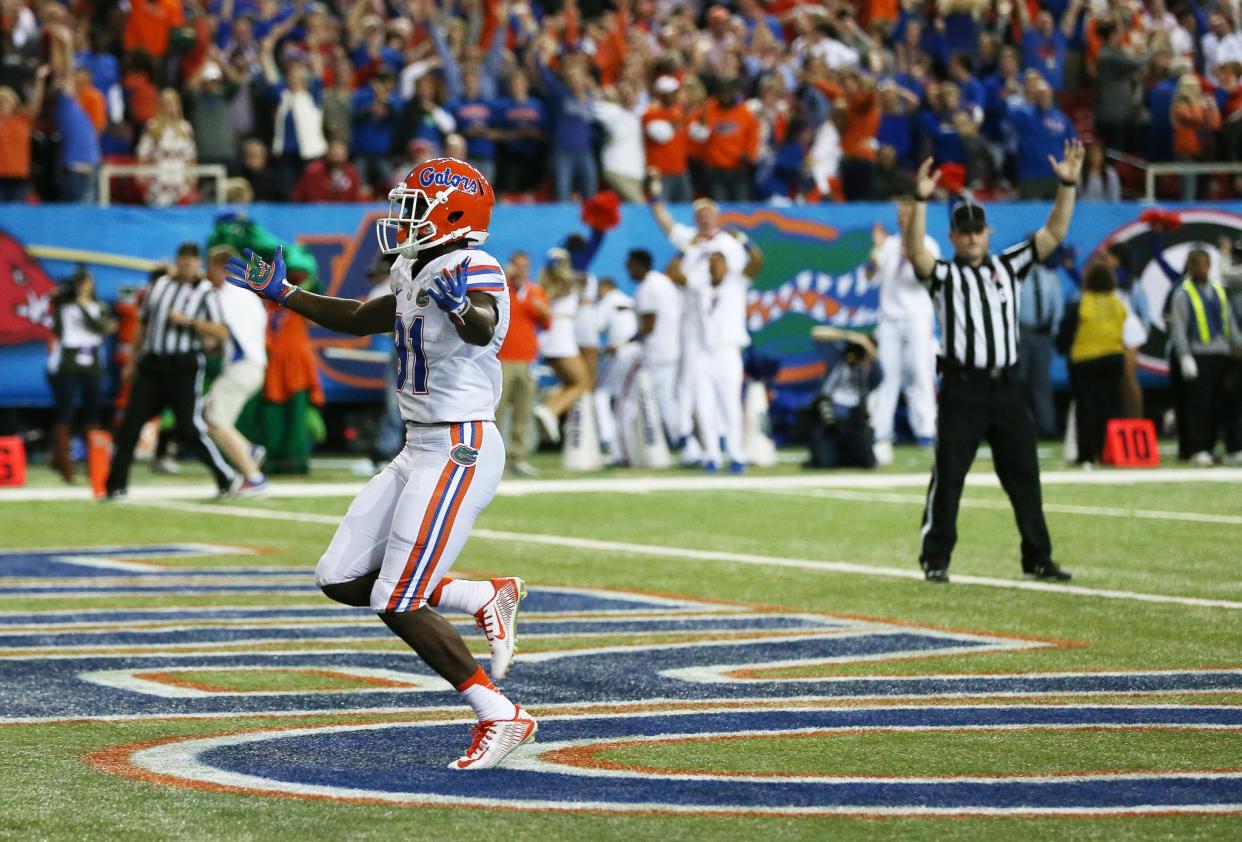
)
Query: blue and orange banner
[{"x": 813, "y": 272}]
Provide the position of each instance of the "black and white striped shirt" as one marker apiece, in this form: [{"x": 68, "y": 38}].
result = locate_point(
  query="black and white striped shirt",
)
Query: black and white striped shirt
[
  {"x": 197, "y": 299},
  {"x": 978, "y": 306}
]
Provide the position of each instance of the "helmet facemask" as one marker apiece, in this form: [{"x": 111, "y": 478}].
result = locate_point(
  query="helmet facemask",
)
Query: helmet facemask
[{"x": 408, "y": 229}]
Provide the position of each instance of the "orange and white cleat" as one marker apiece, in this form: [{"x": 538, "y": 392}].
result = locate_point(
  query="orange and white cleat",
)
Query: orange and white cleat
[
  {"x": 495, "y": 739},
  {"x": 498, "y": 620}
]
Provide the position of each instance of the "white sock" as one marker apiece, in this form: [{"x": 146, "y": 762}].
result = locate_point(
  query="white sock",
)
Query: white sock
[
  {"x": 462, "y": 595},
  {"x": 488, "y": 702}
]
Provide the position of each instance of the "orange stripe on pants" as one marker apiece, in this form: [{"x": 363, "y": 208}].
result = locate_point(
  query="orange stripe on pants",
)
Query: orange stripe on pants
[
  {"x": 477, "y": 437},
  {"x": 424, "y": 530}
]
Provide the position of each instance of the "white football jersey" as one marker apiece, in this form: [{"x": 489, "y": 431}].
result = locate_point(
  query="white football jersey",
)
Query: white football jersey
[
  {"x": 617, "y": 318},
  {"x": 726, "y": 327},
  {"x": 440, "y": 378},
  {"x": 697, "y": 250},
  {"x": 658, "y": 295}
]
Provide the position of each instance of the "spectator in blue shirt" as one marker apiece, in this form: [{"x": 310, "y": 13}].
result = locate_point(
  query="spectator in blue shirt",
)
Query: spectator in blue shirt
[
  {"x": 374, "y": 121},
  {"x": 486, "y": 67},
  {"x": 960, "y": 33},
  {"x": 971, "y": 90},
  {"x": 1159, "y": 102},
  {"x": 897, "y": 106},
  {"x": 1043, "y": 45},
  {"x": 522, "y": 130},
  {"x": 999, "y": 88},
  {"x": 373, "y": 55},
  {"x": 77, "y": 157},
  {"x": 1041, "y": 130},
  {"x": 939, "y": 127},
  {"x": 476, "y": 117},
  {"x": 572, "y": 107},
  {"x": 271, "y": 15},
  {"x": 105, "y": 73}
]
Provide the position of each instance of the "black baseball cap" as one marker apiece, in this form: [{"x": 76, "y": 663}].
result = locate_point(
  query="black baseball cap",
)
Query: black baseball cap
[{"x": 967, "y": 218}]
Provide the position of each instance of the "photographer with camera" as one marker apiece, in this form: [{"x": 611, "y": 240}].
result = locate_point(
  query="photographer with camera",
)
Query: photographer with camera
[
  {"x": 840, "y": 434},
  {"x": 80, "y": 323}
]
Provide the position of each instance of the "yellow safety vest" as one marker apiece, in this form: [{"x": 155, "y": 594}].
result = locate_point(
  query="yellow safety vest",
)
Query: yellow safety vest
[{"x": 1196, "y": 304}]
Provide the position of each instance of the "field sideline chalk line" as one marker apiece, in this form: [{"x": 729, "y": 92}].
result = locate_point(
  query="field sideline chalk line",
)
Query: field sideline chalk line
[
  {"x": 647, "y": 484},
  {"x": 717, "y": 555}
]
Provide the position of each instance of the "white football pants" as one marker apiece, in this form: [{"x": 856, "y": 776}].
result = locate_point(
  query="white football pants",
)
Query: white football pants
[
  {"x": 906, "y": 349},
  {"x": 412, "y": 519}
]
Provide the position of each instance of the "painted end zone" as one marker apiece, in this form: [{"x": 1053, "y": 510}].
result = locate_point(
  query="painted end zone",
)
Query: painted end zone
[{"x": 400, "y": 764}]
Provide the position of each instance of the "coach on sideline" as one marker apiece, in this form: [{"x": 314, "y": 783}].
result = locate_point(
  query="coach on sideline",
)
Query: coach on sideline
[{"x": 976, "y": 296}]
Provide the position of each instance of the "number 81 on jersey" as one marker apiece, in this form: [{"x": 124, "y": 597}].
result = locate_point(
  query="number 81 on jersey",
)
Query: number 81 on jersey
[{"x": 411, "y": 360}]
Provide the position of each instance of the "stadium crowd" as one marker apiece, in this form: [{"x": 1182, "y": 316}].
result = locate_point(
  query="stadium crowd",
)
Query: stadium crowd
[{"x": 773, "y": 101}]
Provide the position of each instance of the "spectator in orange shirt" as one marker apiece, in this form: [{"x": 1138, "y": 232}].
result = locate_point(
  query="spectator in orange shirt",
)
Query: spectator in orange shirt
[
  {"x": 150, "y": 24},
  {"x": 528, "y": 314},
  {"x": 1193, "y": 115},
  {"x": 15, "y": 123},
  {"x": 141, "y": 95},
  {"x": 668, "y": 147},
  {"x": 732, "y": 144},
  {"x": 858, "y": 142},
  {"x": 91, "y": 100}
]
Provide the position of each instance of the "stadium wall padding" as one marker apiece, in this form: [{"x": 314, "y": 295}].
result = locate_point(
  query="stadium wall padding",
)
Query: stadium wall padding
[{"x": 813, "y": 270}]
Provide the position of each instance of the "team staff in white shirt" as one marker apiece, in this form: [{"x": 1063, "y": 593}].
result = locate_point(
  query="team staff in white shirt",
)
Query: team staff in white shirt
[
  {"x": 615, "y": 404},
  {"x": 726, "y": 338},
  {"x": 245, "y": 366},
  {"x": 700, "y": 411},
  {"x": 658, "y": 302},
  {"x": 906, "y": 339}
]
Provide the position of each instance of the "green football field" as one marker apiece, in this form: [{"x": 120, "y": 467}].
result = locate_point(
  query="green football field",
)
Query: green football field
[{"x": 725, "y": 657}]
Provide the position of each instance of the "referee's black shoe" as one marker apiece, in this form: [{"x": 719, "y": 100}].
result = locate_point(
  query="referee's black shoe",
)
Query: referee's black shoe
[
  {"x": 1049, "y": 571},
  {"x": 937, "y": 575}
]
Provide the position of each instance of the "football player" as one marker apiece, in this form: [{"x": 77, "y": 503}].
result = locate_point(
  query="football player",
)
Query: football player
[{"x": 449, "y": 308}]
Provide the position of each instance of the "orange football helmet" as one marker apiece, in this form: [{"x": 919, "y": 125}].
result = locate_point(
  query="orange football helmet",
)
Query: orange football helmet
[{"x": 441, "y": 200}]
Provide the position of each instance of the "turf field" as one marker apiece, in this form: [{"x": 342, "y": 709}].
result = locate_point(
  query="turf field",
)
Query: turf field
[{"x": 751, "y": 657}]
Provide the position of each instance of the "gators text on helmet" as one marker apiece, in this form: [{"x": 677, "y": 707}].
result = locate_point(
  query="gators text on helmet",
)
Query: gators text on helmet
[{"x": 440, "y": 201}]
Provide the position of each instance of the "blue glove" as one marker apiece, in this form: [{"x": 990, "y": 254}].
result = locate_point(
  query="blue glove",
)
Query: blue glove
[
  {"x": 260, "y": 277},
  {"x": 448, "y": 291}
]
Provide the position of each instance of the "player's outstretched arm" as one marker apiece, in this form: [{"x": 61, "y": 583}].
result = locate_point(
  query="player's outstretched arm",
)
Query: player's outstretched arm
[{"x": 345, "y": 315}]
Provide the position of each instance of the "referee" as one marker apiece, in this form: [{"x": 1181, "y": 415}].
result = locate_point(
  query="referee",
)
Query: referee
[
  {"x": 976, "y": 296},
  {"x": 178, "y": 311}
]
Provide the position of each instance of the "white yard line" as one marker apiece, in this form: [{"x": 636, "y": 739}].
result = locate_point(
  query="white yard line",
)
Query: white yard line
[
  {"x": 1059, "y": 508},
  {"x": 686, "y": 553},
  {"x": 650, "y": 484}
]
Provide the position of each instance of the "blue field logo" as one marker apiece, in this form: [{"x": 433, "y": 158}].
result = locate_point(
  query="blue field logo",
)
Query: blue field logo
[
  {"x": 608, "y": 671},
  {"x": 398, "y": 763}
]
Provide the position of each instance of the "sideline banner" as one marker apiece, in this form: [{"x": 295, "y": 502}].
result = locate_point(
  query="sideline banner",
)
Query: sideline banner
[{"x": 813, "y": 271}]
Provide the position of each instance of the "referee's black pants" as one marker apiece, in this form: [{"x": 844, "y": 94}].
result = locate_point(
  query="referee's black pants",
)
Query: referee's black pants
[
  {"x": 174, "y": 381},
  {"x": 974, "y": 406}
]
